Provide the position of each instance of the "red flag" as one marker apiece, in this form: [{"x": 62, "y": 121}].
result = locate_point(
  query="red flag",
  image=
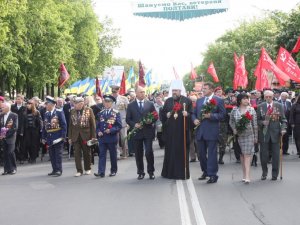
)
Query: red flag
[
  {"x": 142, "y": 82},
  {"x": 64, "y": 75},
  {"x": 123, "y": 85},
  {"x": 193, "y": 73},
  {"x": 176, "y": 74},
  {"x": 287, "y": 64},
  {"x": 212, "y": 71},
  {"x": 266, "y": 63},
  {"x": 297, "y": 46},
  {"x": 98, "y": 89},
  {"x": 261, "y": 77},
  {"x": 240, "y": 73}
]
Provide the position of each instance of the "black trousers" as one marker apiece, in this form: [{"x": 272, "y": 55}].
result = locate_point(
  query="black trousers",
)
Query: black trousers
[
  {"x": 9, "y": 157},
  {"x": 285, "y": 142},
  {"x": 20, "y": 152},
  {"x": 160, "y": 140},
  {"x": 138, "y": 145}
]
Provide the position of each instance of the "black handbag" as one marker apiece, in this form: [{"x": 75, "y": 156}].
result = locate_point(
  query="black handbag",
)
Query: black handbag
[{"x": 236, "y": 146}]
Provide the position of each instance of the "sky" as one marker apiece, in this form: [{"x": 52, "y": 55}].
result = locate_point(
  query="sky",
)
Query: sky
[{"x": 164, "y": 44}]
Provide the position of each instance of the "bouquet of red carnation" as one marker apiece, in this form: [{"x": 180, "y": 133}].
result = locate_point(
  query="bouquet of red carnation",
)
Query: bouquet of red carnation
[
  {"x": 209, "y": 107},
  {"x": 177, "y": 106},
  {"x": 148, "y": 119},
  {"x": 243, "y": 122}
]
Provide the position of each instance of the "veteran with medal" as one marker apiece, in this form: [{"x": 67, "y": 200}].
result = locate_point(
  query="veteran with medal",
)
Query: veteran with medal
[
  {"x": 82, "y": 128},
  {"x": 54, "y": 133},
  {"x": 108, "y": 126}
]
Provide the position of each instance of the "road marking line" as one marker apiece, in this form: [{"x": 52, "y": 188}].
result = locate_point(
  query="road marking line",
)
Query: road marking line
[
  {"x": 195, "y": 203},
  {"x": 184, "y": 210}
]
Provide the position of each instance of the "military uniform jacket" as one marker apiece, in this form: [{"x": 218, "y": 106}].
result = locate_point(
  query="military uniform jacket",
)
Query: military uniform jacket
[
  {"x": 83, "y": 124},
  {"x": 108, "y": 119},
  {"x": 55, "y": 126},
  {"x": 277, "y": 122}
]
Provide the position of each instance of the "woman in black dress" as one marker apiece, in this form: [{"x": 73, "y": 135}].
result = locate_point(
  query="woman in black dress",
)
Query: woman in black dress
[
  {"x": 295, "y": 123},
  {"x": 31, "y": 131}
]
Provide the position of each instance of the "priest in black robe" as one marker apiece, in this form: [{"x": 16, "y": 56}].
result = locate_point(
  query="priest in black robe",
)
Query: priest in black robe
[{"x": 176, "y": 108}]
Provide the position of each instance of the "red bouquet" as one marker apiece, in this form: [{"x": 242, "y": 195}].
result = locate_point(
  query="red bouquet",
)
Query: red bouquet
[
  {"x": 109, "y": 126},
  {"x": 148, "y": 119},
  {"x": 243, "y": 122},
  {"x": 209, "y": 107}
]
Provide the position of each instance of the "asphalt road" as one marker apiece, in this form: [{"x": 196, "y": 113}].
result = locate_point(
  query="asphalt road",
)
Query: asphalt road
[{"x": 32, "y": 198}]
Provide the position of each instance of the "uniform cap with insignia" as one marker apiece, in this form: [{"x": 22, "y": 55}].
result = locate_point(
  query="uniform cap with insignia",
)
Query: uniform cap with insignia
[
  {"x": 78, "y": 100},
  {"x": 109, "y": 98},
  {"x": 50, "y": 100}
]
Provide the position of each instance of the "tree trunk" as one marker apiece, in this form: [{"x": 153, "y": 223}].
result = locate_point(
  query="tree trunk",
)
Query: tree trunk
[
  {"x": 52, "y": 90},
  {"x": 58, "y": 91},
  {"x": 47, "y": 89}
]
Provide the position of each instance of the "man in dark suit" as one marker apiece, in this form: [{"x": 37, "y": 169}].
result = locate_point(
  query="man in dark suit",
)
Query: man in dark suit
[
  {"x": 272, "y": 124},
  {"x": 54, "y": 134},
  {"x": 9, "y": 127},
  {"x": 208, "y": 131},
  {"x": 136, "y": 111},
  {"x": 287, "y": 105},
  {"x": 19, "y": 109}
]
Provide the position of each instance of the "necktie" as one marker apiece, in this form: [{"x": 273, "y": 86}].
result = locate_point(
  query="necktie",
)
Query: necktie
[
  {"x": 284, "y": 106},
  {"x": 269, "y": 108},
  {"x": 106, "y": 112},
  {"x": 141, "y": 106}
]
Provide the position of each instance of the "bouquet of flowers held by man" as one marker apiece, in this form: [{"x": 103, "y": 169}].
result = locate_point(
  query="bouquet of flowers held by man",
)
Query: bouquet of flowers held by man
[
  {"x": 147, "y": 119},
  {"x": 271, "y": 114},
  {"x": 241, "y": 125},
  {"x": 177, "y": 106},
  {"x": 207, "y": 108},
  {"x": 3, "y": 132}
]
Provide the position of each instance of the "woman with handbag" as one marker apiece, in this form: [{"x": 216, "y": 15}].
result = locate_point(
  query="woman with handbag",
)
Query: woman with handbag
[{"x": 243, "y": 122}]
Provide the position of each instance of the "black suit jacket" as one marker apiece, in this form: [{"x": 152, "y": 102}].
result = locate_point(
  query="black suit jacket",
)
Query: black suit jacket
[
  {"x": 288, "y": 108},
  {"x": 21, "y": 114},
  {"x": 135, "y": 115},
  {"x": 11, "y": 134}
]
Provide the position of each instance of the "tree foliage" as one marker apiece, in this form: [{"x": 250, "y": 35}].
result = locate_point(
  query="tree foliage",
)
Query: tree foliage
[
  {"x": 37, "y": 35},
  {"x": 275, "y": 30}
]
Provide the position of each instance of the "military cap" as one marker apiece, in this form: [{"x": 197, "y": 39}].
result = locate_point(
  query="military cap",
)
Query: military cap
[
  {"x": 109, "y": 98},
  {"x": 50, "y": 100}
]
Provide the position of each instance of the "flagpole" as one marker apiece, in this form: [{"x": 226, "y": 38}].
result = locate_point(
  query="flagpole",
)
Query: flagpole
[{"x": 184, "y": 141}]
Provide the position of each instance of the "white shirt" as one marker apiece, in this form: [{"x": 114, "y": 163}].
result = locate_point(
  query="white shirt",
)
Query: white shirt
[
  {"x": 271, "y": 105},
  {"x": 5, "y": 117},
  {"x": 206, "y": 99},
  {"x": 142, "y": 101}
]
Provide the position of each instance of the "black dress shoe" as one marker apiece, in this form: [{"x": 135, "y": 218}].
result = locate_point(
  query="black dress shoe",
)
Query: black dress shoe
[
  {"x": 51, "y": 174},
  {"x": 203, "y": 177},
  {"x": 212, "y": 180},
  {"x": 274, "y": 178},
  {"x": 141, "y": 176},
  {"x": 193, "y": 160},
  {"x": 286, "y": 153},
  {"x": 263, "y": 177},
  {"x": 99, "y": 174},
  {"x": 221, "y": 161},
  {"x": 57, "y": 174},
  {"x": 4, "y": 173},
  {"x": 12, "y": 172},
  {"x": 112, "y": 174},
  {"x": 151, "y": 176}
]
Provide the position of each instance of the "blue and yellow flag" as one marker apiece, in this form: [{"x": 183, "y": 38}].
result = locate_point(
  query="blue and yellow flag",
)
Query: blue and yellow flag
[
  {"x": 130, "y": 77},
  {"x": 74, "y": 87},
  {"x": 91, "y": 88},
  {"x": 83, "y": 85}
]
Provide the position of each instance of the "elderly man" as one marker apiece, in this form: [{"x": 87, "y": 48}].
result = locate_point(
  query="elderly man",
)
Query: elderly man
[
  {"x": 82, "y": 128},
  {"x": 121, "y": 105},
  {"x": 272, "y": 125},
  {"x": 174, "y": 115},
  {"x": 287, "y": 105},
  {"x": 54, "y": 134},
  {"x": 9, "y": 127}
]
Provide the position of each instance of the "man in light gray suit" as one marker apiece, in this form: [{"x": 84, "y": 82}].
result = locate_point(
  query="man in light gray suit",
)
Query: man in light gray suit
[
  {"x": 272, "y": 125},
  {"x": 9, "y": 127}
]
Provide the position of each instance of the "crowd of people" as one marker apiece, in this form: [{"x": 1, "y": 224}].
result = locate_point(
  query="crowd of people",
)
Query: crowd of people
[{"x": 188, "y": 126}]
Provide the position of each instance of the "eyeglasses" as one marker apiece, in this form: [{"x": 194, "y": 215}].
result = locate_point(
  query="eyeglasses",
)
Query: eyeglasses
[{"x": 268, "y": 96}]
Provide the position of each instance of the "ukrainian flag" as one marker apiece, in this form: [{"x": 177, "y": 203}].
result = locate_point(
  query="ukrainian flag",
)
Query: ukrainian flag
[
  {"x": 105, "y": 86},
  {"x": 129, "y": 78},
  {"x": 83, "y": 85},
  {"x": 91, "y": 88},
  {"x": 74, "y": 87},
  {"x": 148, "y": 78}
]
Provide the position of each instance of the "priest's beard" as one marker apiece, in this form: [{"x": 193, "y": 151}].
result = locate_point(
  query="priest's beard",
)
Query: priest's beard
[{"x": 176, "y": 97}]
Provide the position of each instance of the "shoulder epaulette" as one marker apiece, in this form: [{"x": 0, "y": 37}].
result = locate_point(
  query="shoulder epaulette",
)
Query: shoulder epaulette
[{"x": 114, "y": 110}]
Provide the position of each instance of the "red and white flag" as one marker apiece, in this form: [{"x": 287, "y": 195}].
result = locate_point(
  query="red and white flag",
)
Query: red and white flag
[
  {"x": 287, "y": 64},
  {"x": 193, "y": 73},
  {"x": 141, "y": 82},
  {"x": 98, "y": 89},
  {"x": 123, "y": 85},
  {"x": 297, "y": 46},
  {"x": 64, "y": 75},
  {"x": 212, "y": 71},
  {"x": 176, "y": 74}
]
